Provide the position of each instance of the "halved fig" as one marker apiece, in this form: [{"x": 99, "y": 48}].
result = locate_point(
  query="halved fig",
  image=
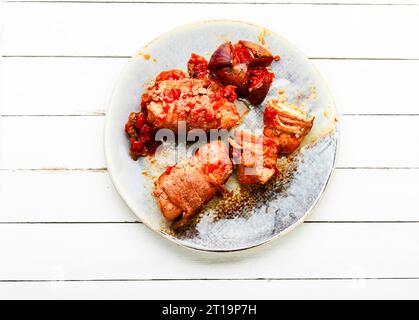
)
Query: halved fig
[
  {"x": 243, "y": 65},
  {"x": 222, "y": 57},
  {"x": 260, "y": 82},
  {"x": 236, "y": 75},
  {"x": 261, "y": 57}
]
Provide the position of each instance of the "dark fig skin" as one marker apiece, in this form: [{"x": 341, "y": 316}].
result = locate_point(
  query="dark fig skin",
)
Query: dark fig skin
[
  {"x": 236, "y": 75},
  {"x": 222, "y": 57},
  {"x": 243, "y": 65},
  {"x": 258, "y": 92},
  {"x": 261, "y": 56},
  {"x": 261, "y": 62}
]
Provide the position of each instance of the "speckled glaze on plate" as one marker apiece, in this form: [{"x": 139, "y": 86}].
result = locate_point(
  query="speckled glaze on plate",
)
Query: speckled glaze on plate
[{"x": 252, "y": 215}]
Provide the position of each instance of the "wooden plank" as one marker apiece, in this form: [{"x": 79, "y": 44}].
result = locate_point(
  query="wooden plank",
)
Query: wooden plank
[
  {"x": 52, "y": 142},
  {"x": 89, "y": 196},
  {"x": 77, "y": 142},
  {"x": 131, "y": 251},
  {"x": 370, "y": 141},
  {"x": 121, "y": 29},
  {"x": 51, "y": 86},
  {"x": 86, "y": 196},
  {"x": 218, "y": 289},
  {"x": 371, "y": 86},
  {"x": 60, "y": 86},
  {"x": 369, "y": 195}
]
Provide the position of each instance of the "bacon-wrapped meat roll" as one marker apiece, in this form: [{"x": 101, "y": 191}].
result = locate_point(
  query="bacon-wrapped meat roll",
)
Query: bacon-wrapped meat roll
[
  {"x": 256, "y": 156},
  {"x": 200, "y": 102},
  {"x": 185, "y": 188},
  {"x": 287, "y": 124}
]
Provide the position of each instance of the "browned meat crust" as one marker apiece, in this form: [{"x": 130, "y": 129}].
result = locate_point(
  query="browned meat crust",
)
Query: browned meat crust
[
  {"x": 201, "y": 103},
  {"x": 184, "y": 189},
  {"x": 256, "y": 156},
  {"x": 287, "y": 124}
]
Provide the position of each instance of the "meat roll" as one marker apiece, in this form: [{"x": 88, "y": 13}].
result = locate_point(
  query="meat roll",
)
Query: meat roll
[
  {"x": 200, "y": 102},
  {"x": 185, "y": 188},
  {"x": 287, "y": 124},
  {"x": 256, "y": 156}
]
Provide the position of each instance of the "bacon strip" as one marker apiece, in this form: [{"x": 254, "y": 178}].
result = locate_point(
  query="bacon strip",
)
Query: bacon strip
[{"x": 188, "y": 186}]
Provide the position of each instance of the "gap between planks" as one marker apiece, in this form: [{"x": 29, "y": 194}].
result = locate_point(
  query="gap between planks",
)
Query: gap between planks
[
  {"x": 206, "y": 279},
  {"x": 220, "y": 2},
  {"x": 47, "y": 40}
]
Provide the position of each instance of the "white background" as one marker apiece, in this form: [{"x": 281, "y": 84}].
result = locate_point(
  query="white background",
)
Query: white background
[{"x": 64, "y": 231}]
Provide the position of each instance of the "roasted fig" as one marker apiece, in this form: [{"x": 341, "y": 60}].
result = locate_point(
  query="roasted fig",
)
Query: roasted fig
[
  {"x": 261, "y": 57},
  {"x": 259, "y": 83},
  {"x": 222, "y": 57},
  {"x": 236, "y": 75},
  {"x": 243, "y": 65}
]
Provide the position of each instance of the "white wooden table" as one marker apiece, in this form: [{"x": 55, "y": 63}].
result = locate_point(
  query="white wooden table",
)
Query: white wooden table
[{"x": 64, "y": 231}]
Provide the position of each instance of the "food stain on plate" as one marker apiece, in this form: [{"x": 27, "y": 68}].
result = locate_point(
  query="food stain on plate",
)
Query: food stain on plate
[
  {"x": 262, "y": 35},
  {"x": 143, "y": 55}
]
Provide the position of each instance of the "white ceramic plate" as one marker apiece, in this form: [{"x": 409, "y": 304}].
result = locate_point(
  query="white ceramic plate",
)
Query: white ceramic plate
[{"x": 269, "y": 211}]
